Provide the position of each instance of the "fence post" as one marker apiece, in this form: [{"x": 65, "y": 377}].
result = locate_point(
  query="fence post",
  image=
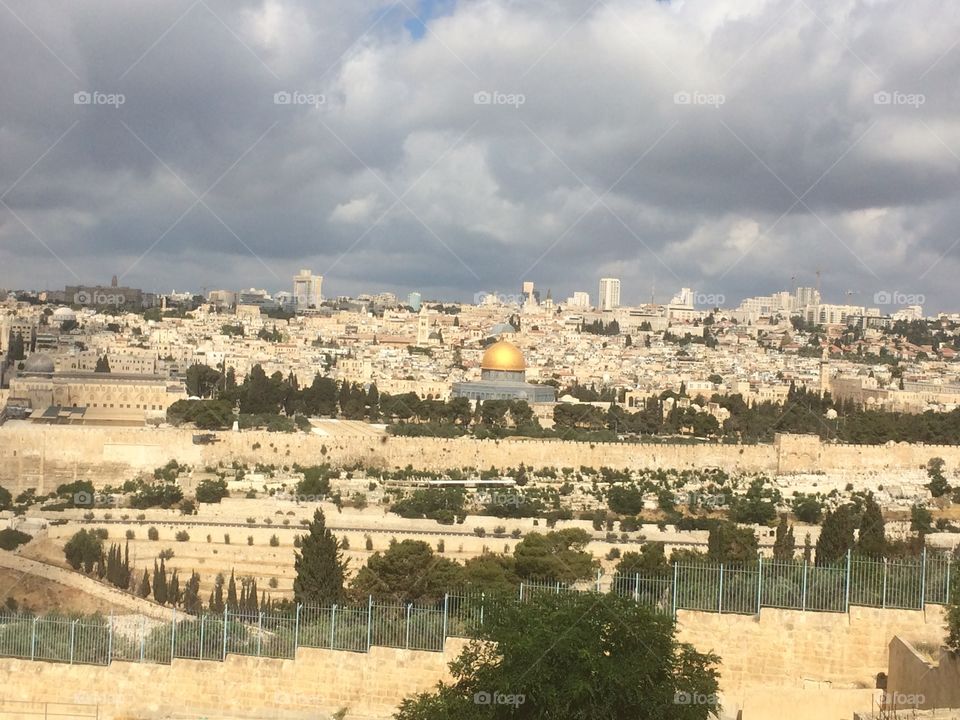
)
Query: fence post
[
  {"x": 923, "y": 580},
  {"x": 599, "y": 575},
  {"x": 759, "y": 583},
  {"x": 483, "y": 600},
  {"x": 33, "y": 640},
  {"x": 333, "y": 623},
  {"x": 296, "y": 631},
  {"x": 673, "y": 598},
  {"x": 446, "y": 610},
  {"x": 720, "y": 592},
  {"x": 202, "y": 621},
  {"x": 369, "y": 622},
  {"x": 224, "y": 655},
  {"x": 846, "y": 608},
  {"x": 949, "y": 564},
  {"x": 73, "y": 635},
  {"x": 406, "y": 642},
  {"x": 558, "y": 587},
  {"x": 804, "y": 591},
  {"x": 521, "y": 591},
  {"x": 260, "y": 634},
  {"x": 883, "y": 596},
  {"x": 110, "y": 640},
  {"x": 636, "y": 588},
  {"x": 173, "y": 636},
  {"x": 143, "y": 634}
]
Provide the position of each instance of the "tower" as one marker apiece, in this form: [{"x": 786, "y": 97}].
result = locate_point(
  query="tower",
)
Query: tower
[
  {"x": 609, "y": 294},
  {"x": 825, "y": 371},
  {"x": 423, "y": 327}
]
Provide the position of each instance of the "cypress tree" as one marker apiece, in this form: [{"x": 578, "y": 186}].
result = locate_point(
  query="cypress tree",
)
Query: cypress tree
[
  {"x": 253, "y": 596},
  {"x": 160, "y": 584},
  {"x": 807, "y": 548},
  {"x": 232, "y": 603},
  {"x": 319, "y": 565},
  {"x": 872, "y": 541},
  {"x": 216, "y": 597},
  {"x": 173, "y": 589},
  {"x": 836, "y": 535},
  {"x": 144, "y": 589},
  {"x": 784, "y": 545},
  {"x": 191, "y": 595}
]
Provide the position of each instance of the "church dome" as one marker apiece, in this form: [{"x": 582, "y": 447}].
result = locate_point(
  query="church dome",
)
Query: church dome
[
  {"x": 503, "y": 356},
  {"x": 38, "y": 363}
]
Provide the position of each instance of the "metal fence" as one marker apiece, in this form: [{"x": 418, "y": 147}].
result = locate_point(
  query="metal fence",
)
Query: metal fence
[{"x": 708, "y": 587}]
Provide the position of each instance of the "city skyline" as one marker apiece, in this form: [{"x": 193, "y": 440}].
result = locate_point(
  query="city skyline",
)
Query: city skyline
[{"x": 232, "y": 145}]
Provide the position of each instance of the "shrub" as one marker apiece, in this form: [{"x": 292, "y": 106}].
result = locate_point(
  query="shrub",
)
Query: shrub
[
  {"x": 166, "y": 554},
  {"x": 249, "y": 539},
  {"x": 479, "y": 532},
  {"x": 345, "y": 543},
  {"x": 251, "y": 521},
  {"x": 274, "y": 541},
  {"x": 88, "y": 516},
  {"x": 153, "y": 534},
  {"x": 441, "y": 546},
  {"x": 182, "y": 536},
  {"x": 516, "y": 534},
  {"x": 101, "y": 533},
  {"x": 272, "y": 582},
  {"x": 226, "y": 539},
  {"x": 131, "y": 534},
  {"x": 11, "y": 539},
  {"x": 368, "y": 543}
]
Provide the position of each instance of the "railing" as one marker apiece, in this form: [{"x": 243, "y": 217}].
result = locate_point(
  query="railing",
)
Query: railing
[{"x": 356, "y": 627}]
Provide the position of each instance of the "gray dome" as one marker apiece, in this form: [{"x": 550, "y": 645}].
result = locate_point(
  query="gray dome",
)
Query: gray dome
[{"x": 38, "y": 363}]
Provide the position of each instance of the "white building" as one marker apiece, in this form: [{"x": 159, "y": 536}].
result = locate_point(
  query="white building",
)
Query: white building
[
  {"x": 609, "y": 294},
  {"x": 579, "y": 300},
  {"x": 307, "y": 289}
]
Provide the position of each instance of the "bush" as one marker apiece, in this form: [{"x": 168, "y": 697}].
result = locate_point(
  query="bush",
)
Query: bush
[
  {"x": 83, "y": 550},
  {"x": 131, "y": 534},
  {"x": 272, "y": 582},
  {"x": 166, "y": 554},
  {"x": 345, "y": 543},
  {"x": 226, "y": 539},
  {"x": 441, "y": 546},
  {"x": 11, "y": 539},
  {"x": 368, "y": 543},
  {"x": 251, "y": 521},
  {"x": 182, "y": 536},
  {"x": 249, "y": 539},
  {"x": 212, "y": 491},
  {"x": 274, "y": 541},
  {"x": 153, "y": 534},
  {"x": 480, "y": 532},
  {"x": 101, "y": 533}
]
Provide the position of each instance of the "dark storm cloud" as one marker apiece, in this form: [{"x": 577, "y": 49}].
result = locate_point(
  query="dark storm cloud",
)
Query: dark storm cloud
[{"x": 728, "y": 146}]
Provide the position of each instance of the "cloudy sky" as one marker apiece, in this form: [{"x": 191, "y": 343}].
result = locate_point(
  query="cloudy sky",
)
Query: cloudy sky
[{"x": 732, "y": 146}]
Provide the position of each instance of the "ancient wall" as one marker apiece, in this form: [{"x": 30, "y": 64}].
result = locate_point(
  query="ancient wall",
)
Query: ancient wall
[{"x": 46, "y": 456}]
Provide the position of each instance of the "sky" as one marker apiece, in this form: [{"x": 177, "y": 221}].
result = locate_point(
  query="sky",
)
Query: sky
[{"x": 453, "y": 147}]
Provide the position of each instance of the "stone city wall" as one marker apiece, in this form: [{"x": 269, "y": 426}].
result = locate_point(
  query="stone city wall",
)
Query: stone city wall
[{"x": 46, "y": 456}]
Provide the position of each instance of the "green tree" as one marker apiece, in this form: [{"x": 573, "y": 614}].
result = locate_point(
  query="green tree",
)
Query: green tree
[
  {"x": 728, "y": 543},
  {"x": 103, "y": 365},
  {"x": 938, "y": 485},
  {"x": 212, "y": 491},
  {"x": 785, "y": 544},
  {"x": 921, "y": 520},
  {"x": 616, "y": 659},
  {"x": 319, "y": 565},
  {"x": 407, "y": 571},
  {"x": 558, "y": 555},
  {"x": 144, "y": 589},
  {"x": 232, "y": 603},
  {"x": 191, "y": 595},
  {"x": 872, "y": 541},
  {"x": 83, "y": 550},
  {"x": 160, "y": 582},
  {"x": 836, "y": 536},
  {"x": 216, "y": 595},
  {"x": 6, "y": 499}
]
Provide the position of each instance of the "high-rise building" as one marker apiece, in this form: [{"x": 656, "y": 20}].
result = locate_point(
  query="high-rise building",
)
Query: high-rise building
[
  {"x": 579, "y": 300},
  {"x": 609, "y": 294},
  {"x": 806, "y": 296},
  {"x": 307, "y": 289},
  {"x": 413, "y": 300}
]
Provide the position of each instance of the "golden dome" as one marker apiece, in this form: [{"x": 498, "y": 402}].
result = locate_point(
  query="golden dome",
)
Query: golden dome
[{"x": 503, "y": 356}]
